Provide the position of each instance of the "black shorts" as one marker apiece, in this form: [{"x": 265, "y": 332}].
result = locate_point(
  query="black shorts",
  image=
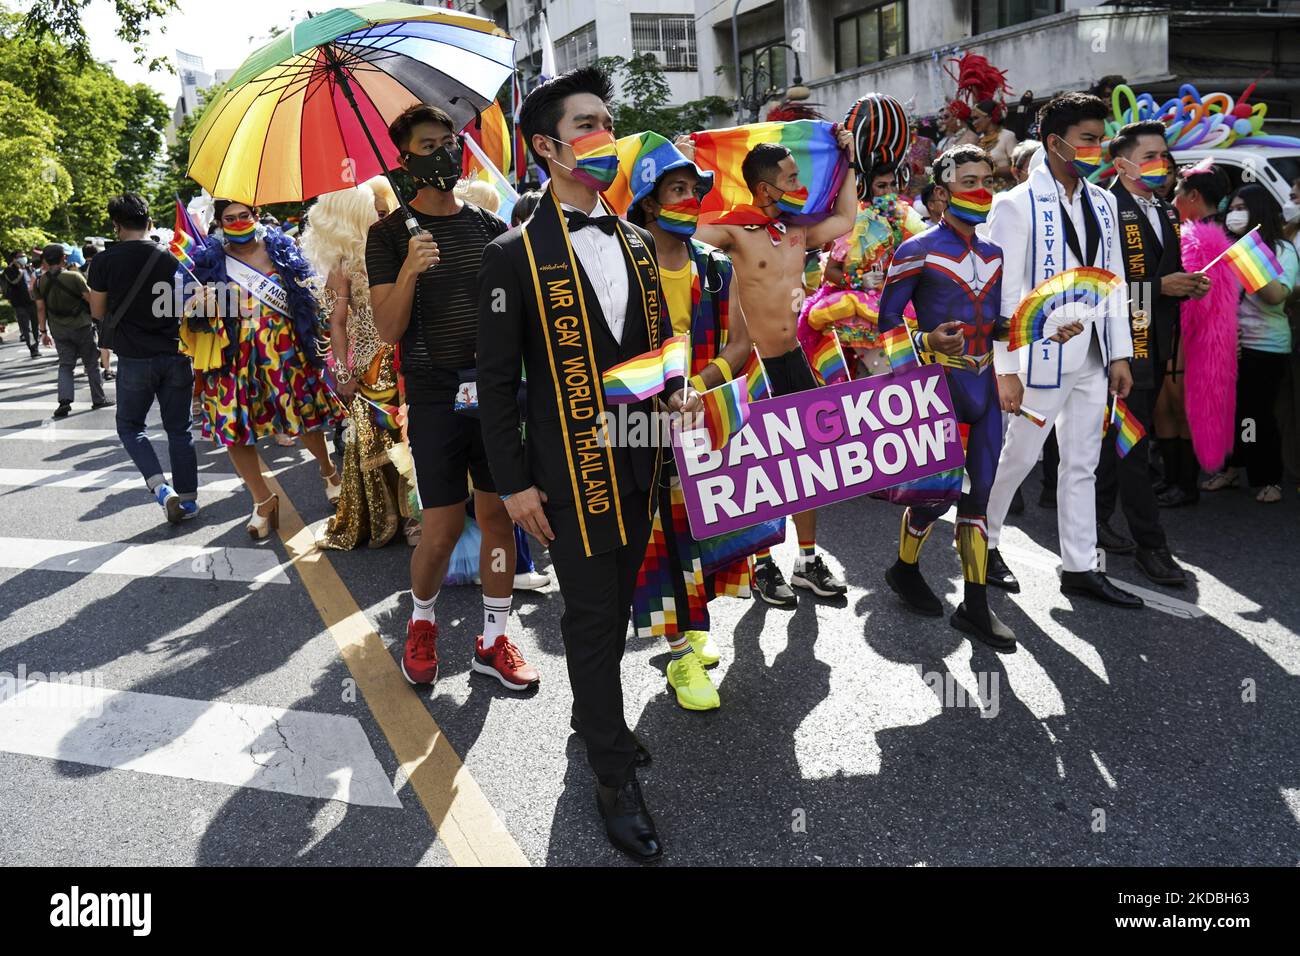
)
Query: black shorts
[
  {"x": 790, "y": 373},
  {"x": 446, "y": 446}
]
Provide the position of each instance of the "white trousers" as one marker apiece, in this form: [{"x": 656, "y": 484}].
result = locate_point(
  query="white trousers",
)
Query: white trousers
[{"x": 1078, "y": 408}]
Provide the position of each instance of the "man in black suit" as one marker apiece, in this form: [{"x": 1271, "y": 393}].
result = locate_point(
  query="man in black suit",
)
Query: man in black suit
[
  {"x": 567, "y": 295},
  {"x": 1157, "y": 283}
]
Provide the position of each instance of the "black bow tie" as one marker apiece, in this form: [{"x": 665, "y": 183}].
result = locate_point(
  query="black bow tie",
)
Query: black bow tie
[{"x": 577, "y": 220}]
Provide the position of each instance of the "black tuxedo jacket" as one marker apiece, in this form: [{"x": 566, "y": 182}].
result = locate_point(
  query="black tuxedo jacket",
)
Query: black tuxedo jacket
[
  {"x": 509, "y": 339},
  {"x": 1161, "y": 258}
]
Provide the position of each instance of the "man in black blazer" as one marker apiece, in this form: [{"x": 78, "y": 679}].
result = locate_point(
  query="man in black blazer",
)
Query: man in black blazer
[
  {"x": 1157, "y": 283},
  {"x": 567, "y": 295}
]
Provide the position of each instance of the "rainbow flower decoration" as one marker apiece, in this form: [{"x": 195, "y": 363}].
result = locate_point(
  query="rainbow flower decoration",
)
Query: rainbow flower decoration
[{"x": 1086, "y": 285}]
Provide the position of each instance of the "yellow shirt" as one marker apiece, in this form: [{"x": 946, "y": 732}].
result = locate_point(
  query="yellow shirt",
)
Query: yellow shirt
[{"x": 677, "y": 293}]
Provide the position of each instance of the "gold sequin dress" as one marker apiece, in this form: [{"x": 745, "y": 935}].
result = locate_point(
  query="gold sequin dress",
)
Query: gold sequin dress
[{"x": 375, "y": 496}]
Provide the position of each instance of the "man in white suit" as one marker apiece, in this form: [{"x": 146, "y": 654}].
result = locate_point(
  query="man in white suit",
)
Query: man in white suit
[{"x": 1054, "y": 221}]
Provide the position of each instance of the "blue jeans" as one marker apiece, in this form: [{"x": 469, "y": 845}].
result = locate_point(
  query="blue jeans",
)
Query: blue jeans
[{"x": 170, "y": 379}]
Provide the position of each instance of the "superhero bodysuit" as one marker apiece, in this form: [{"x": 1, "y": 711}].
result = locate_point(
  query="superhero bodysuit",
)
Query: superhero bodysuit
[{"x": 948, "y": 278}]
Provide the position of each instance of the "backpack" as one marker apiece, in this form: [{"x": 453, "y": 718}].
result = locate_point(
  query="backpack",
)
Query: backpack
[{"x": 70, "y": 312}]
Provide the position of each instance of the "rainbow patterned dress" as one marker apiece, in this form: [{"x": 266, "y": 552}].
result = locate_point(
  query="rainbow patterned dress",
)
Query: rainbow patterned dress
[{"x": 270, "y": 387}]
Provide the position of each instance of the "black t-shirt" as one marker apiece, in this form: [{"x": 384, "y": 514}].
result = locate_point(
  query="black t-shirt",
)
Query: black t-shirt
[
  {"x": 442, "y": 336},
  {"x": 149, "y": 326},
  {"x": 13, "y": 283}
]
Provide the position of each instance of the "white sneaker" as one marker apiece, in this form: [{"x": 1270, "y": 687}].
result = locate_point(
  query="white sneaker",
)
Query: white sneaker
[{"x": 531, "y": 581}]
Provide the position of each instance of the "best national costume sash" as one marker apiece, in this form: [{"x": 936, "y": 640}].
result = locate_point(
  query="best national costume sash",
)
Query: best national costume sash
[
  {"x": 261, "y": 287},
  {"x": 1143, "y": 251},
  {"x": 575, "y": 374}
]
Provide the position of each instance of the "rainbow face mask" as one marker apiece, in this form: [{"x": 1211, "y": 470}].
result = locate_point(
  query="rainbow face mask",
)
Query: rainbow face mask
[
  {"x": 240, "y": 234},
  {"x": 1152, "y": 173},
  {"x": 1087, "y": 159},
  {"x": 972, "y": 206},
  {"x": 794, "y": 202},
  {"x": 680, "y": 218},
  {"x": 595, "y": 159}
]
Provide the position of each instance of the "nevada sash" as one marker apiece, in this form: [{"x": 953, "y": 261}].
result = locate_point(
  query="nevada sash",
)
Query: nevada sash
[
  {"x": 575, "y": 374},
  {"x": 263, "y": 288}
]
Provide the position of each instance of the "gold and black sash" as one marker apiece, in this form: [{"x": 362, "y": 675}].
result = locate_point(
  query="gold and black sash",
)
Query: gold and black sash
[
  {"x": 1140, "y": 250},
  {"x": 575, "y": 374}
]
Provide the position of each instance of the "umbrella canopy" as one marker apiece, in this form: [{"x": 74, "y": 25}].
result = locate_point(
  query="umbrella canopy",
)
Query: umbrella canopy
[{"x": 308, "y": 112}]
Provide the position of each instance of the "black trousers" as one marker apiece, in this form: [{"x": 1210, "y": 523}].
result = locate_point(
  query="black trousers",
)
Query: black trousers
[
  {"x": 1129, "y": 478},
  {"x": 597, "y": 594},
  {"x": 1259, "y": 376}
]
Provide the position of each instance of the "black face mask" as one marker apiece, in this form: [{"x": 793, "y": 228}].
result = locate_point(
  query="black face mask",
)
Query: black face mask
[{"x": 439, "y": 169}]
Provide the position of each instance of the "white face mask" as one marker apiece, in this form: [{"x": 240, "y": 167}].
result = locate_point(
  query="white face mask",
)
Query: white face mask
[{"x": 1237, "y": 221}]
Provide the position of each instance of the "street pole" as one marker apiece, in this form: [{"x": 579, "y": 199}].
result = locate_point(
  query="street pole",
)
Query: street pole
[{"x": 735, "y": 53}]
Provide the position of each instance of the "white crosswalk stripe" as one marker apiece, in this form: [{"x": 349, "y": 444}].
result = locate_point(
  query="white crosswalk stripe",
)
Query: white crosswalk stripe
[
  {"x": 109, "y": 479},
  {"x": 249, "y": 565}
]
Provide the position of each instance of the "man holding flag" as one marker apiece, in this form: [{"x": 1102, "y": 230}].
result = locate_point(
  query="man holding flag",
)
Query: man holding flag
[
  {"x": 127, "y": 280},
  {"x": 673, "y": 588}
]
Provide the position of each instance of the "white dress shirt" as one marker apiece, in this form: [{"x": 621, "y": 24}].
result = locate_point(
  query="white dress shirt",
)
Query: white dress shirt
[{"x": 601, "y": 258}]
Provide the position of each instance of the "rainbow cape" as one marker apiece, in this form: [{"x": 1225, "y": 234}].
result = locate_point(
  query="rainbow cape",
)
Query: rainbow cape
[
  {"x": 1130, "y": 429},
  {"x": 822, "y": 164},
  {"x": 756, "y": 378},
  {"x": 900, "y": 351},
  {"x": 1086, "y": 285},
  {"x": 185, "y": 237},
  {"x": 726, "y": 409},
  {"x": 646, "y": 375},
  {"x": 828, "y": 361},
  {"x": 1252, "y": 261}
]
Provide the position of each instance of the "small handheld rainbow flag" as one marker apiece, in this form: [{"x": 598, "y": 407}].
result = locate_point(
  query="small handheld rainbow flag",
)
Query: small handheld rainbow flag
[
  {"x": 1252, "y": 261},
  {"x": 726, "y": 409},
  {"x": 828, "y": 361},
  {"x": 1130, "y": 429},
  {"x": 900, "y": 351},
  {"x": 1033, "y": 416},
  {"x": 756, "y": 377},
  {"x": 1085, "y": 285},
  {"x": 185, "y": 237},
  {"x": 644, "y": 376}
]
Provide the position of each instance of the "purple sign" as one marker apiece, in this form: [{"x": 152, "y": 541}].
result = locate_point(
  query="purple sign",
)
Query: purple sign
[{"x": 802, "y": 451}]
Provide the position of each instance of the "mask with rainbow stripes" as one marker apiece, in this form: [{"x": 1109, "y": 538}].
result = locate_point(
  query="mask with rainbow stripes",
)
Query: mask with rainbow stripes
[
  {"x": 241, "y": 233},
  {"x": 794, "y": 202},
  {"x": 680, "y": 218},
  {"x": 595, "y": 159},
  {"x": 972, "y": 206}
]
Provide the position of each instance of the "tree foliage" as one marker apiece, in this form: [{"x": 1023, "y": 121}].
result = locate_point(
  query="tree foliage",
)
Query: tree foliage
[
  {"x": 32, "y": 181},
  {"x": 641, "y": 101},
  {"x": 94, "y": 134},
  {"x": 61, "y": 21}
]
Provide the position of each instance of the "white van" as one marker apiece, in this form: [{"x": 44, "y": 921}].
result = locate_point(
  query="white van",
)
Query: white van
[{"x": 1274, "y": 167}]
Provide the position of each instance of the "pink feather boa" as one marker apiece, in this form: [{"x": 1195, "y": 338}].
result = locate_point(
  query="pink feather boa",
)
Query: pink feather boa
[{"x": 1209, "y": 337}]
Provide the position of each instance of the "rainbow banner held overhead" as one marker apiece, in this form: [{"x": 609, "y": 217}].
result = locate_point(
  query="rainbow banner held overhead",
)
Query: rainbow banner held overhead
[
  {"x": 726, "y": 409},
  {"x": 900, "y": 351},
  {"x": 646, "y": 375},
  {"x": 1085, "y": 285},
  {"x": 1252, "y": 261},
  {"x": 1130, "y": 430},
  {"x": 828, "y": 360},
  {"x": 822, "y": 164}
]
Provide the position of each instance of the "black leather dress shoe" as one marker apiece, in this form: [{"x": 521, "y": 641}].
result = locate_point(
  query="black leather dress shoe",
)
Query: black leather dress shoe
[
  {"x": 1094, "y": 584},
  {"x": 627, "y": 821},
  {"x": 1175, "y": 497},
  {"x": 992, "y": 632},
  {"x": 1159, "y": 565},
  {"x": 999, "y": 575},
  {"x": 642, "y": 758},
  {"x": 1112, "y": 541},
  {"x": 1048, "y": 498}
]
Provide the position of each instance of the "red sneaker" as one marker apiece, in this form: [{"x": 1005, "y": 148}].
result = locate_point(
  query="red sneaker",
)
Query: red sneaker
[
  {"x": 504, "y": 662},
  {"x": 420, "y": 659}
]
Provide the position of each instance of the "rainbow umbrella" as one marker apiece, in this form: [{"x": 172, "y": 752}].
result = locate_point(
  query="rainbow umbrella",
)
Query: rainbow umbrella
[{"x": 307, "y": 113}]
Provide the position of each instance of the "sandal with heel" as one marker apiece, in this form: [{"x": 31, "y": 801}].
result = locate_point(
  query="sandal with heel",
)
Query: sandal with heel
[{"x": 261, "y": 525}]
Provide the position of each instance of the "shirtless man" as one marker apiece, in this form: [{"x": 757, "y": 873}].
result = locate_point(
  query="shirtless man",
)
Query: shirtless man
[{"x": 768, "y": 256}]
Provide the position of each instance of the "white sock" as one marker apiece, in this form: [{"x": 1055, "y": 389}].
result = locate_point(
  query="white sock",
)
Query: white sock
[
  {"x": 423, "y": 610},
  {"x": 496, "y": 614}
]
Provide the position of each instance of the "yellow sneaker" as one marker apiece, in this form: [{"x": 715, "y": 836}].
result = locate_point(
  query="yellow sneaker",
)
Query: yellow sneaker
[
  {"x": 704, "y": 647},
  {"x": 694, "y": 689}
]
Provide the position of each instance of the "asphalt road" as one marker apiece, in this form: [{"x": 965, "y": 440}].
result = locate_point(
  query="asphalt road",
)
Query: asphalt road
[{"x": 1111, "y": 737}]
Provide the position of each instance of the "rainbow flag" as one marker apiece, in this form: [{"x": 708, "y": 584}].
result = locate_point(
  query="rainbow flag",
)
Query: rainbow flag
[
  {"x": 492, "y": 136},
  {"x": 1252, "y": 261},
  {"x": 495, "y": 178},
  {"x": 828, "y": 361},
  {"x": 756, "y": 378},
  {"x": 822, "y": 164},
  {"x": 644, "y": 376},
  {"x": 726, "y": 409},
  {"x": 1033, "y": 416},
  {"x": 1130, "y": 429},
  {"x": 185, "y": 237},
  {"x": 900, "y": 351}
]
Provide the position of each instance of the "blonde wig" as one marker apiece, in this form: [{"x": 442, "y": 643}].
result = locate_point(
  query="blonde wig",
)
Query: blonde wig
[
  {"x": 479, "y": 193},
  {"x": 384, "y": 195},
  {"x": 337, "y": 226}
]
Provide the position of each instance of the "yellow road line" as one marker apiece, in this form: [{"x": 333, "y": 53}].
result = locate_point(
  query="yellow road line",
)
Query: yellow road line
[{"x": 466, "y": 823}]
